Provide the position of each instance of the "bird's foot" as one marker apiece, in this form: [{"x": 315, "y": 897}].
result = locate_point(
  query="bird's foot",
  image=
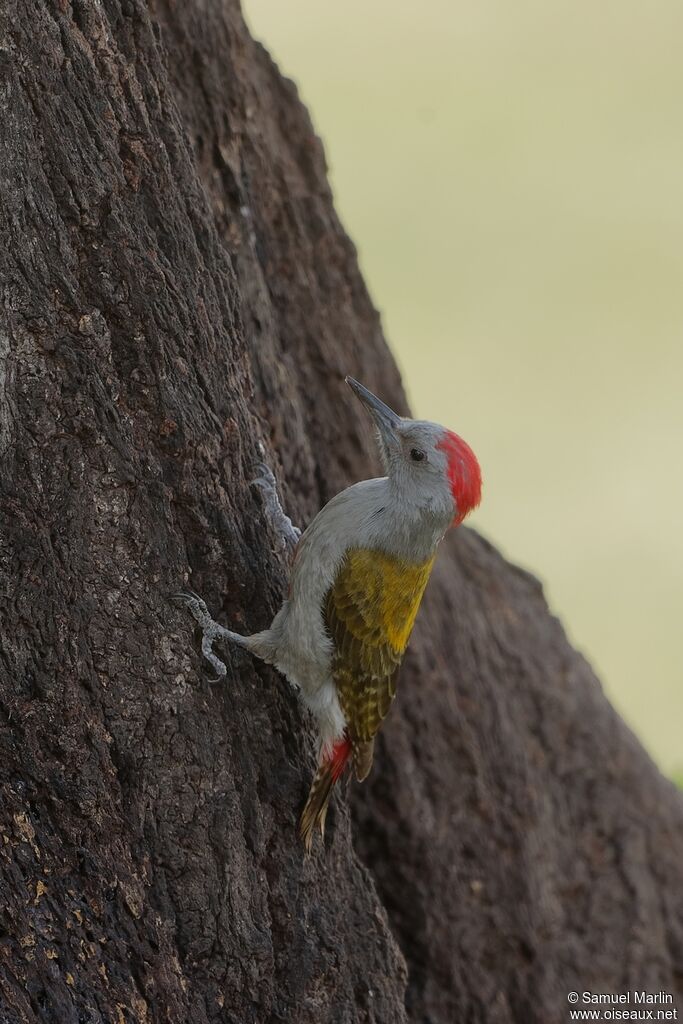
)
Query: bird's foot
[
  {"x": 282, "y": 524},
  {"x": 211, "y": 630}
]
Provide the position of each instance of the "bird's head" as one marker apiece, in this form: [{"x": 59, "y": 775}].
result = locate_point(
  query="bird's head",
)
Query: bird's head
[{"x": 430, "y": 466}]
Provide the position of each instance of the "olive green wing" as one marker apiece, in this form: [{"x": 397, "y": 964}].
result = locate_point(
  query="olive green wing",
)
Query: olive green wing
[{"x": 369, "y": 613}]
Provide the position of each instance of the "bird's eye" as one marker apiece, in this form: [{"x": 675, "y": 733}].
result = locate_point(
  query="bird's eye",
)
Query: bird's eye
[{"x": 417, "y": 455}]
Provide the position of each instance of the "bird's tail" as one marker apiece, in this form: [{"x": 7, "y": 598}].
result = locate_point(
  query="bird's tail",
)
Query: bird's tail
[
  {"x": 315, "y": 811},
  {"x": 362, "y": 758}
]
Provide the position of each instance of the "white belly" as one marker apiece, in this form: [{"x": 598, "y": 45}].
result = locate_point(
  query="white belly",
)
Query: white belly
[{"x": 303, "y": 656}]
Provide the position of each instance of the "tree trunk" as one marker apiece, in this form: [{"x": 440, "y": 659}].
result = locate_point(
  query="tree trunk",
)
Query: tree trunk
[{"x": 179, "y": 301}]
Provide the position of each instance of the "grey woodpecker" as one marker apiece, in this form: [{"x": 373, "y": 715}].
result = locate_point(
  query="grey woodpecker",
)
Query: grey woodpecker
[{"x": 356, "y": 584}]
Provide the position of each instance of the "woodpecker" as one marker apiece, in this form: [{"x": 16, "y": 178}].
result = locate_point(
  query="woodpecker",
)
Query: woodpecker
[{"x": 358, "y": 576}]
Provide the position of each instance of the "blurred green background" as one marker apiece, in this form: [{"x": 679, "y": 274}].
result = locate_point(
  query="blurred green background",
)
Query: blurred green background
[{"x": 512, "y": 175}]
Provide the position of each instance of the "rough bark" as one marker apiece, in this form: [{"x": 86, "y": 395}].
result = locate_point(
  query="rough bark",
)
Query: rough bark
[{"x": 178, "y": 298}]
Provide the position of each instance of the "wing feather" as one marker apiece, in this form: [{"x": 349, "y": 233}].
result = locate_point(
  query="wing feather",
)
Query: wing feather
[{"x": 369, "y": 612}]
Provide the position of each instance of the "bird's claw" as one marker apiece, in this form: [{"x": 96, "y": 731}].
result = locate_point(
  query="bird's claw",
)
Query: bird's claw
[
  {"x": 266, "y": 479},
  {"x": 194, "y": 604},
  {"x": 211, "y": 630},
  {"x": 266, "y": 483}
]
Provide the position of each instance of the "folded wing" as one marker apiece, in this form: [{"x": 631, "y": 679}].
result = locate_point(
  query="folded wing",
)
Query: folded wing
[{"x": 370, "y": 611}]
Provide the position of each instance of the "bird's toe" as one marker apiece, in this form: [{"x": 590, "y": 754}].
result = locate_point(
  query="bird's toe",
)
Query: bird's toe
[
  {"x": 193, "y": 602},
  {"x": 264, "y": 476}
]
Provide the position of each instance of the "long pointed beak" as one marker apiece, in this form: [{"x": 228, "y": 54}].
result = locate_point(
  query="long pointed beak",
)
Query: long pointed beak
[{"x": 386, "y": 419}]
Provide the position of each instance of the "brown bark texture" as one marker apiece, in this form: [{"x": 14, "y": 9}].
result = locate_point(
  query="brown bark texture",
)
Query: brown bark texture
[{"x": 179, "y": 301}]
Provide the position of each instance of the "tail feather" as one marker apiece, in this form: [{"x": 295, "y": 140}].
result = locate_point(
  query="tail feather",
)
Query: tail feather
[
  {"x": 315, "y": 811},
  {"x": 362, "y": 758}
]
